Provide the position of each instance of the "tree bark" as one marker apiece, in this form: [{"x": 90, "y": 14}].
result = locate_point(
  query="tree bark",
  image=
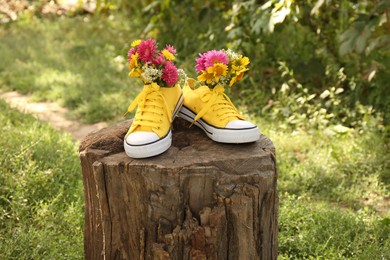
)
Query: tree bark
[{"x": 198, "y": 200}]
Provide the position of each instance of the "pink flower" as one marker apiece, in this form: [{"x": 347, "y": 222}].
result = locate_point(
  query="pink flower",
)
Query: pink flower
[
  {"x": 170, "y": 48},
  {"x": 147, "y": 50},
  {"x": 159, "y": 60},
  {"x": 131, "y": 52},
  {"x": 170, "y": 74},
  {"x": 214, "y": 56},
  {"x": 200, "y": 62}
]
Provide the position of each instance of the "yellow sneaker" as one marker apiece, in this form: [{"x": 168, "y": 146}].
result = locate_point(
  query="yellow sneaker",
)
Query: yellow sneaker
[
  {"x": 215, "y": 114},
  {"x": 150, "y": 133}
]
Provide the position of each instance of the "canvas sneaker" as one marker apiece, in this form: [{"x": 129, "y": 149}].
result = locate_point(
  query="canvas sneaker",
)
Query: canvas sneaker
[
  {"x": 215, "y": 114},
  {"x": 150, "y": 133}
]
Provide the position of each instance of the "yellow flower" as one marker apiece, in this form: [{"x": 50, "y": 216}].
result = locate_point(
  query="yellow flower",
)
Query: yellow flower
[
  {"x": 239, "y": 64},
  {"x": 133, "y": 65},
  {"x": 207, "y": 77},
  {"x": 136, "y": 72},
  {"x": 168, "y": 55},
  {"x": 133, "y": 61},
  {"x": 213, "y": 73},
  {"x": 135, "y": 43},
  {"x": 218, "y": 70}
]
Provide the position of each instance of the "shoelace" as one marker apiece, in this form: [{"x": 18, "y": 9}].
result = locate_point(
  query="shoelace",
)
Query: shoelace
[
  {"x": 217, "y": 101},
  {"x": 151, "y": 104}
]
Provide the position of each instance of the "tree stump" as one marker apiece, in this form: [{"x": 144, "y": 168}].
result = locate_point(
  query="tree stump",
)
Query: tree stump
[{"x": 198, "y": 200}]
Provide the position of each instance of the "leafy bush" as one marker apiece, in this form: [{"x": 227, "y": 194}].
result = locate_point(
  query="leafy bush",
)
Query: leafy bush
[{"x": 317, "y": 40}]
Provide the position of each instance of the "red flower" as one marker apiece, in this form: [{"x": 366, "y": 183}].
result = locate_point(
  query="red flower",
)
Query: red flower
[
  {"x": 170, "y": 74},
  {"x": 147, "y": 50}
]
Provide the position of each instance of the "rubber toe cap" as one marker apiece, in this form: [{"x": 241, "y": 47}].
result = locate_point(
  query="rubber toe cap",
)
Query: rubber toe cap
[
  {"x": 141, "y": 138},
  {"x": 240, "y": 124}
]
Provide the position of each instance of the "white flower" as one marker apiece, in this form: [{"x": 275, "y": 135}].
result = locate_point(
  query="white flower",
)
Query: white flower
[
  {"x": 150, "y": 74},
  {"x": 223, "y": 81},
  {"x": 231, "y": 54},
  {"x": 182, "y": 76}
]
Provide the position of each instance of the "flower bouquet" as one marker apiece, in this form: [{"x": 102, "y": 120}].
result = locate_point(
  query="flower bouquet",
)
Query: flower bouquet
[
  {"x": 206, "y": 104},
  {"x": 154, "y": 66},
  {"x": 161, "y": 96},
  {"x": 221, "y": 68}
]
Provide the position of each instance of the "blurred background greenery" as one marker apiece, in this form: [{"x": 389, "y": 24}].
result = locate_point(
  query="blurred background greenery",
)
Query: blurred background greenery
[{"x": 318, "y": 86}]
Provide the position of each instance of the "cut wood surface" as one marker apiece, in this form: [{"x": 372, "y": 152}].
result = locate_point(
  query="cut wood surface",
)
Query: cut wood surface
[{"x": 198, "y": 200}]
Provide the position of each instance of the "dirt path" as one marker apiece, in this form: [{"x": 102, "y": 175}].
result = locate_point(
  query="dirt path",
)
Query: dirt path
[{"x": 52, "y": 113}]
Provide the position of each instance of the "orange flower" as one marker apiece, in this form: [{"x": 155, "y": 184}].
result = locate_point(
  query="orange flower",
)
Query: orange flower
[{"x": 236, "y": 78}]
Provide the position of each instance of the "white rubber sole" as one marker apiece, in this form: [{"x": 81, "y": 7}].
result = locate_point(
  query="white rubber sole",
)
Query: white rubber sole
[
  {"x": 153, "y": 148},
  {"x": 150, "y": 149},
  {"x": 222, "y": 135}
]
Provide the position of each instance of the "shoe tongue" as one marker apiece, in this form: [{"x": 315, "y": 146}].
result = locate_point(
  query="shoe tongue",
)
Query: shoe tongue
[{"x": 204, "y": 93}]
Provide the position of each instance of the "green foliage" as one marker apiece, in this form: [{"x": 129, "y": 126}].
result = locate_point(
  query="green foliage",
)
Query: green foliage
[
  {"x": 41, "y": 214},
  {"x": 368, "y": 31},
  {"x": 312, "y": 38},
  {"x": 297, "y": 107},
  {"x": 198, "y": 29}
]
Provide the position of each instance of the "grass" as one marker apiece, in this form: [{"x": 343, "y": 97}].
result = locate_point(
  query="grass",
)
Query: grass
[
  {"x": 41, "y": 200},
  {"x": 77, "y": 62},
  {"x": 316, "y": 230},
  {"x": 344, "y": 168},
  {"x": 333, "y": 183},
  {"x": 334, "y": 191}
]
